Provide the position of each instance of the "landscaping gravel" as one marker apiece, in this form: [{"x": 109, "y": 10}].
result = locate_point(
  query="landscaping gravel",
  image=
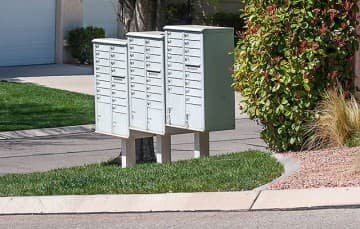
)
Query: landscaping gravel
[{"x": 322, "y": 168}]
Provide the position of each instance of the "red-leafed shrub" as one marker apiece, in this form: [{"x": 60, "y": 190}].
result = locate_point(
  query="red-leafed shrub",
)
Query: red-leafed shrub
[{"x": 289, "y": 55}]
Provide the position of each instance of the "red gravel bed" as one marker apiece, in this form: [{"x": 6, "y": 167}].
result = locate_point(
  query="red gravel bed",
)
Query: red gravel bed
[{"x": 323, "y": 168}]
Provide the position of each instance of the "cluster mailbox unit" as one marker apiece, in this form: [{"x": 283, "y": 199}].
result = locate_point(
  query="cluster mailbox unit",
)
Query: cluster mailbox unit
[{"x": 164, "y": 83}]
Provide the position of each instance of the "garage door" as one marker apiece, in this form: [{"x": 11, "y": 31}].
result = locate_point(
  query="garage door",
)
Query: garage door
[{"x": 27, "y": 32}]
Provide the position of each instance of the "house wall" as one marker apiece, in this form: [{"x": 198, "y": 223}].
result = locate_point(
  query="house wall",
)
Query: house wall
[
  {"x": 102, "y": 13},
  {"x": 357, "y": 55}
]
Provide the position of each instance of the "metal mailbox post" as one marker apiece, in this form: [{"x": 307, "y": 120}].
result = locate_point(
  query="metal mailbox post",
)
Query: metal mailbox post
[{"x": 164, "y": 83}]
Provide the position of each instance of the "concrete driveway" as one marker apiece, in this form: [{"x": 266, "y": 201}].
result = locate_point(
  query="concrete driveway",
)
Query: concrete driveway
[{"x": 77, "y": 78}]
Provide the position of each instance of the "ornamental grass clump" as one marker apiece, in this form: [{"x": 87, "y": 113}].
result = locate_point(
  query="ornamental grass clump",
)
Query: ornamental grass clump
[
  {"x": 337, "y": 122},
  {"x": 289, "y": 55}
]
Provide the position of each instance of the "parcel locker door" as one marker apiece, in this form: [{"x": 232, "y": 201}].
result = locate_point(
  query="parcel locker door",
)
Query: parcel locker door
[
  {"x": 175, "y": 109},
  {"x": 138, "y": 113},
  {"x": 103, "y": 117},
  {"x": 121, "y": 124}
]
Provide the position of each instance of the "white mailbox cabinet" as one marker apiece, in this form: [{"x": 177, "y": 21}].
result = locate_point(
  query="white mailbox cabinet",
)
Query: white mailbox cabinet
[
  {"x": 111, "y": 84},
  {"x": 198, "y": 77},
  {"x": 147, "y": 86}
]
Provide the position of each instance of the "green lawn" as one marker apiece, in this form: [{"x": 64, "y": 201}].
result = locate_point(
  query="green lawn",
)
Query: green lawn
[
  {"x": 27, "y": 106},
  {"x": 232, "y": 172}
]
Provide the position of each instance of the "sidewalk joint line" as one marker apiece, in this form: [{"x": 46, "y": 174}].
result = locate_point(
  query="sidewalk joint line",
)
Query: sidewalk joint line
[{"x": 256, "y": 198}]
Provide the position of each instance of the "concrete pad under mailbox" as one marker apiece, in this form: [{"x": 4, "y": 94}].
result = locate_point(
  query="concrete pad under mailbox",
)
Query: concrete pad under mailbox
[
  {"x": 219, "y": 201},
  {"x": 307, "y": 198}
]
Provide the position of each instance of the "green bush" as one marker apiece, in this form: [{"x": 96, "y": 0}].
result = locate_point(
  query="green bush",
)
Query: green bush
[
  {"x": 290, "y": 53},
  {"x": 80, "y": 42}
]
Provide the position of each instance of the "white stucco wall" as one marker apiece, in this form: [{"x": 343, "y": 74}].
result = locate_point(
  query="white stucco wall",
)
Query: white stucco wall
[{"x": 101, "y": 13}]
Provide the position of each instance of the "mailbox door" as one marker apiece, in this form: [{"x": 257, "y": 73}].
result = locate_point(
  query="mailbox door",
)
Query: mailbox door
[
  {"x": 138, "y": 113},
  {"x": 155, "y": 120},
  {"x": 103, "y": 117},
  {"x": 175, "y": 110},
  {"x": 120, "y": 124}
]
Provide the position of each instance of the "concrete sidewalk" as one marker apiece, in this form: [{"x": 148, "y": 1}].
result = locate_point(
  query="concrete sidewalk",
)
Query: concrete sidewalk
[{"x": 170, "y": 202}]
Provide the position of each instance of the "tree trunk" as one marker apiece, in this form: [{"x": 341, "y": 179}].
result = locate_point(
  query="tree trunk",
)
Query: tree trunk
[{"x": 142, "y": 15}]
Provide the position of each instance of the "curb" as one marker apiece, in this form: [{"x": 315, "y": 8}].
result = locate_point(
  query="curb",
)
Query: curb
[
  {"x": 169, "y": 202},
  {"x": 45, "y": 132},
  {"x": 268, "y": 200}
]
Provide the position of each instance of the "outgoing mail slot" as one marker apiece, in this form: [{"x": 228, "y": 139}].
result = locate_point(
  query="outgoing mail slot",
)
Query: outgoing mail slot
[
  {"x": 175, "y": 43},
  {"x": 118, "y": 49},
  {"x": 118, "y": 64},
  {"x": 154, "y": 81},
  {"x": 103, "y": 84},
  {"x": 176, "y": 90},
  {"x": 99, "y": 47},
  {"x": 193, "y": 84},
  {"x": 136, "y": 48},
  {"x": 192, "y": 52},
  {"x": 157, "y": 67},
  {"x": 119, "y": 101},
  {"x": 153, "y": 43},
  {"x": 195, "y": 69},
  {"x": 137, "y": 86},
  {"x": 155, "y": 75},
  {"x": 137, "y": 71},
  {"x": 136, "y": 63},
  {"x": 103, "y": 77},
  {"x": 136, "y": 56},
  {"x": 176, "y": 66},
  {"x": 102, "y": 69},
  {"x": 193, "y": 92},
  {"x": 102, "y": 54},
  {"x": 103, "y": 99},
  {"x": 121, "y": 80},
  {"x": 120, "y": 109},
  {"x": 102, "y": 91},
  {"x": 192, "y": 60},
  {"x": 119, "y": 94},
  {"x": 118, "y": 56},
  {"x": 155, "y": 89},
  {"x": 137, "y": 94},
  {"x": 119, "y": 72}
]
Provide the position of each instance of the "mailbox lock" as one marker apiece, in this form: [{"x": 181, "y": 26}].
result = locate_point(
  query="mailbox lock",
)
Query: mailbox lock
[
  {"x": 112, "y": 48},
  {"x": 147, "y": 49},
  {"x": 112, "y": 55},
  {"x": 147, "y": 57},
  {"x": 97, "y": 46},
  {"x": 147, "y": 42},
  {"x": 131, "y": 55},
  {"x": 186, "y": 43}
]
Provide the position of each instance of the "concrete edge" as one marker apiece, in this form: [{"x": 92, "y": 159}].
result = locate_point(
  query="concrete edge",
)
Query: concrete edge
[
  {"x": 291, "y": 165},
  {"x": 169, "y": 202},
  {"x": 45, "y": 132},
  {"x": 316, "y": 198}
]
